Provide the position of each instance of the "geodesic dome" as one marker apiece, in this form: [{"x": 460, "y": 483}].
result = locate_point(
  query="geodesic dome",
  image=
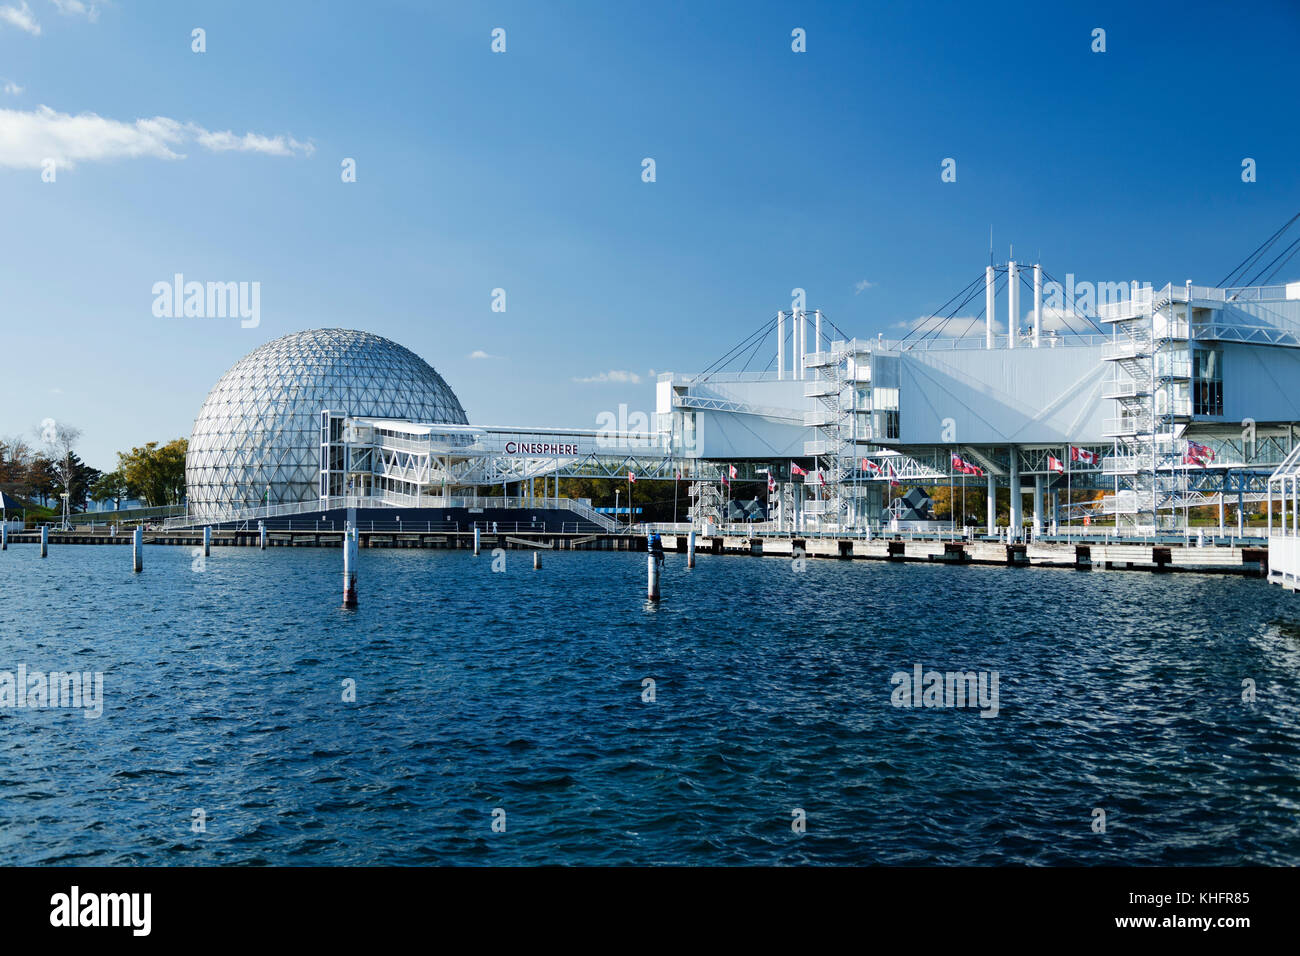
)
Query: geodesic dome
[{"x": 261, "y": 423}]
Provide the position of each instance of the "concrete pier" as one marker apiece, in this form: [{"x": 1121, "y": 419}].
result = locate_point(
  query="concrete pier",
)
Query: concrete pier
[{"x": 1231, "y": 556}]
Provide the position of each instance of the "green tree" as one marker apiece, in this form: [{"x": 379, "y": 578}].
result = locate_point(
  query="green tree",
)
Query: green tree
[
  {"x": 109, "y": 486},
  {"x": 155, "y": 474}
]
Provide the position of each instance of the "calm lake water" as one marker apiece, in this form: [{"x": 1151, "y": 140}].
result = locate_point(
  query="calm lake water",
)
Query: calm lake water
[{"x": 522, "y": 690}]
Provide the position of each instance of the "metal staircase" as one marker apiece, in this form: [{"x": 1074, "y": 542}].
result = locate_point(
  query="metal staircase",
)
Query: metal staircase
[
  {"x": 706, "y": 503},
  {"x": 842, "y": 426},
  {"x": 1151, "y": 386}
]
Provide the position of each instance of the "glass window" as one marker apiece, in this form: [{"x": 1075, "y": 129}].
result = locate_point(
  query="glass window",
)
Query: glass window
[{"x": 1207, "y": 381}]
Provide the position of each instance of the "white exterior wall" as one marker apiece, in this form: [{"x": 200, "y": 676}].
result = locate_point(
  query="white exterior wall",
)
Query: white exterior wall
[{"x": 1004, "y": 396}]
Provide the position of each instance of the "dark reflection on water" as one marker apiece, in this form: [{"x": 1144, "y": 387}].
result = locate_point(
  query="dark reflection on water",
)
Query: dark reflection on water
[{"x": 522, "y": 690}]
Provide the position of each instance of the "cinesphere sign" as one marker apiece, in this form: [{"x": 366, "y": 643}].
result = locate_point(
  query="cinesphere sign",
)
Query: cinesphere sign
[{"x": 539, "y": 448}]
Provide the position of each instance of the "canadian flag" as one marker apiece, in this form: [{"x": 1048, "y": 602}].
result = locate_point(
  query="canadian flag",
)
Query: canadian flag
[
  {"x": 1083, "y": 455},
  {"x": 892, "y": 476},
  {"x": 796, "y": 470},
  {"x": 771, "y": 484},
  {"x": 870, "y": 466},
  {"x": 731, "y": 470},
  {"x": 1054, "y": 464},
  {"x": 631, "y": 476},
  {"x": 821, "y": 476}
]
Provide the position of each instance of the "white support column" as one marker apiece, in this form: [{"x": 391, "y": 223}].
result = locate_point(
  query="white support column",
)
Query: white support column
[
  {"x": 992, "y": 502},
  {"x": 794, "y": 347},
  {"x": 990, "y": 305},
  {"x": 817, "y": 330},
  {"x": 780, "y": 346},
  {"x": 803, "y": 344},
  {"x": 1038, "y": 505},
  {"x": 1017, "y": 503},
  {"x": 1013, "y": 303},
  {"x": 1038, "y": 304}
]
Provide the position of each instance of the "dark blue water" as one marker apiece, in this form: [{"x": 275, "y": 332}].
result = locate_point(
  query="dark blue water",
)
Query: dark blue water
[{"x": 522, "y": 691}]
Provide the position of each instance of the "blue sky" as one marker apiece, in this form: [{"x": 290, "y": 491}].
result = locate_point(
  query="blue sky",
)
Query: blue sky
[{"x": 522, "y": 171}]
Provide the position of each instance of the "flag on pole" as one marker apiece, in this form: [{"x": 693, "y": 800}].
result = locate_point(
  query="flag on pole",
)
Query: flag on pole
[
  {"x": 964, "y": 467},
  {"x": 1055, "y": 464},
  {"x": 1083, "y": 455},
  {"x": 1198, "y": 454},
  {"x": 796, "y": 470},
  {"x": 731, "y": 469},
  {"x": 821, "y": 476},
  {"x": 631, "y": 476},
  {"x": 893, "y": 475},
  {"x": 771, "y": 484},
  {"x": 725, "y": 481}
]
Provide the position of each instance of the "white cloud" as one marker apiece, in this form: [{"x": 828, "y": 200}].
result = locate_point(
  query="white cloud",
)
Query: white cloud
[
  {"x": 78, "y": 8},
  {"x": 30, "y": 137},
  {"x": 480, "y": 354},
  {"x": 862, "y": 285},
  {"x": 1063, "y": 320},
  {"x": 12, "y": 88},
  {"x": 961, "y": 326},
  {"x": 617, "y": 376},
  {"x": 221, "y": 142},
  {"x": 21, "y": 17}
]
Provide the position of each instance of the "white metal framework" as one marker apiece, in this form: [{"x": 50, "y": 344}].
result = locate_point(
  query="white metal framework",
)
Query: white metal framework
[{"x": 1284, "y": 535}]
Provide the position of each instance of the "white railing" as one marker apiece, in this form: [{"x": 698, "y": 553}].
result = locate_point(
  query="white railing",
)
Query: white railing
[
  {"x": 1123, "y": 464},
  {"x": 1125, "y": 349},
  {"x": 1118, "y": 390},
  {"x": 821, "y": 388},
  {"x": 1256, "y": 293},
  {"x": 1124, "y": 425},
  {"x": 1284, "y": 560},
  {"x": 973, "y": 343},
  {"x": 579, "y": 506},
  {"x": 820, "y": 418},
  {"x": 1138, "y": 304}
]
